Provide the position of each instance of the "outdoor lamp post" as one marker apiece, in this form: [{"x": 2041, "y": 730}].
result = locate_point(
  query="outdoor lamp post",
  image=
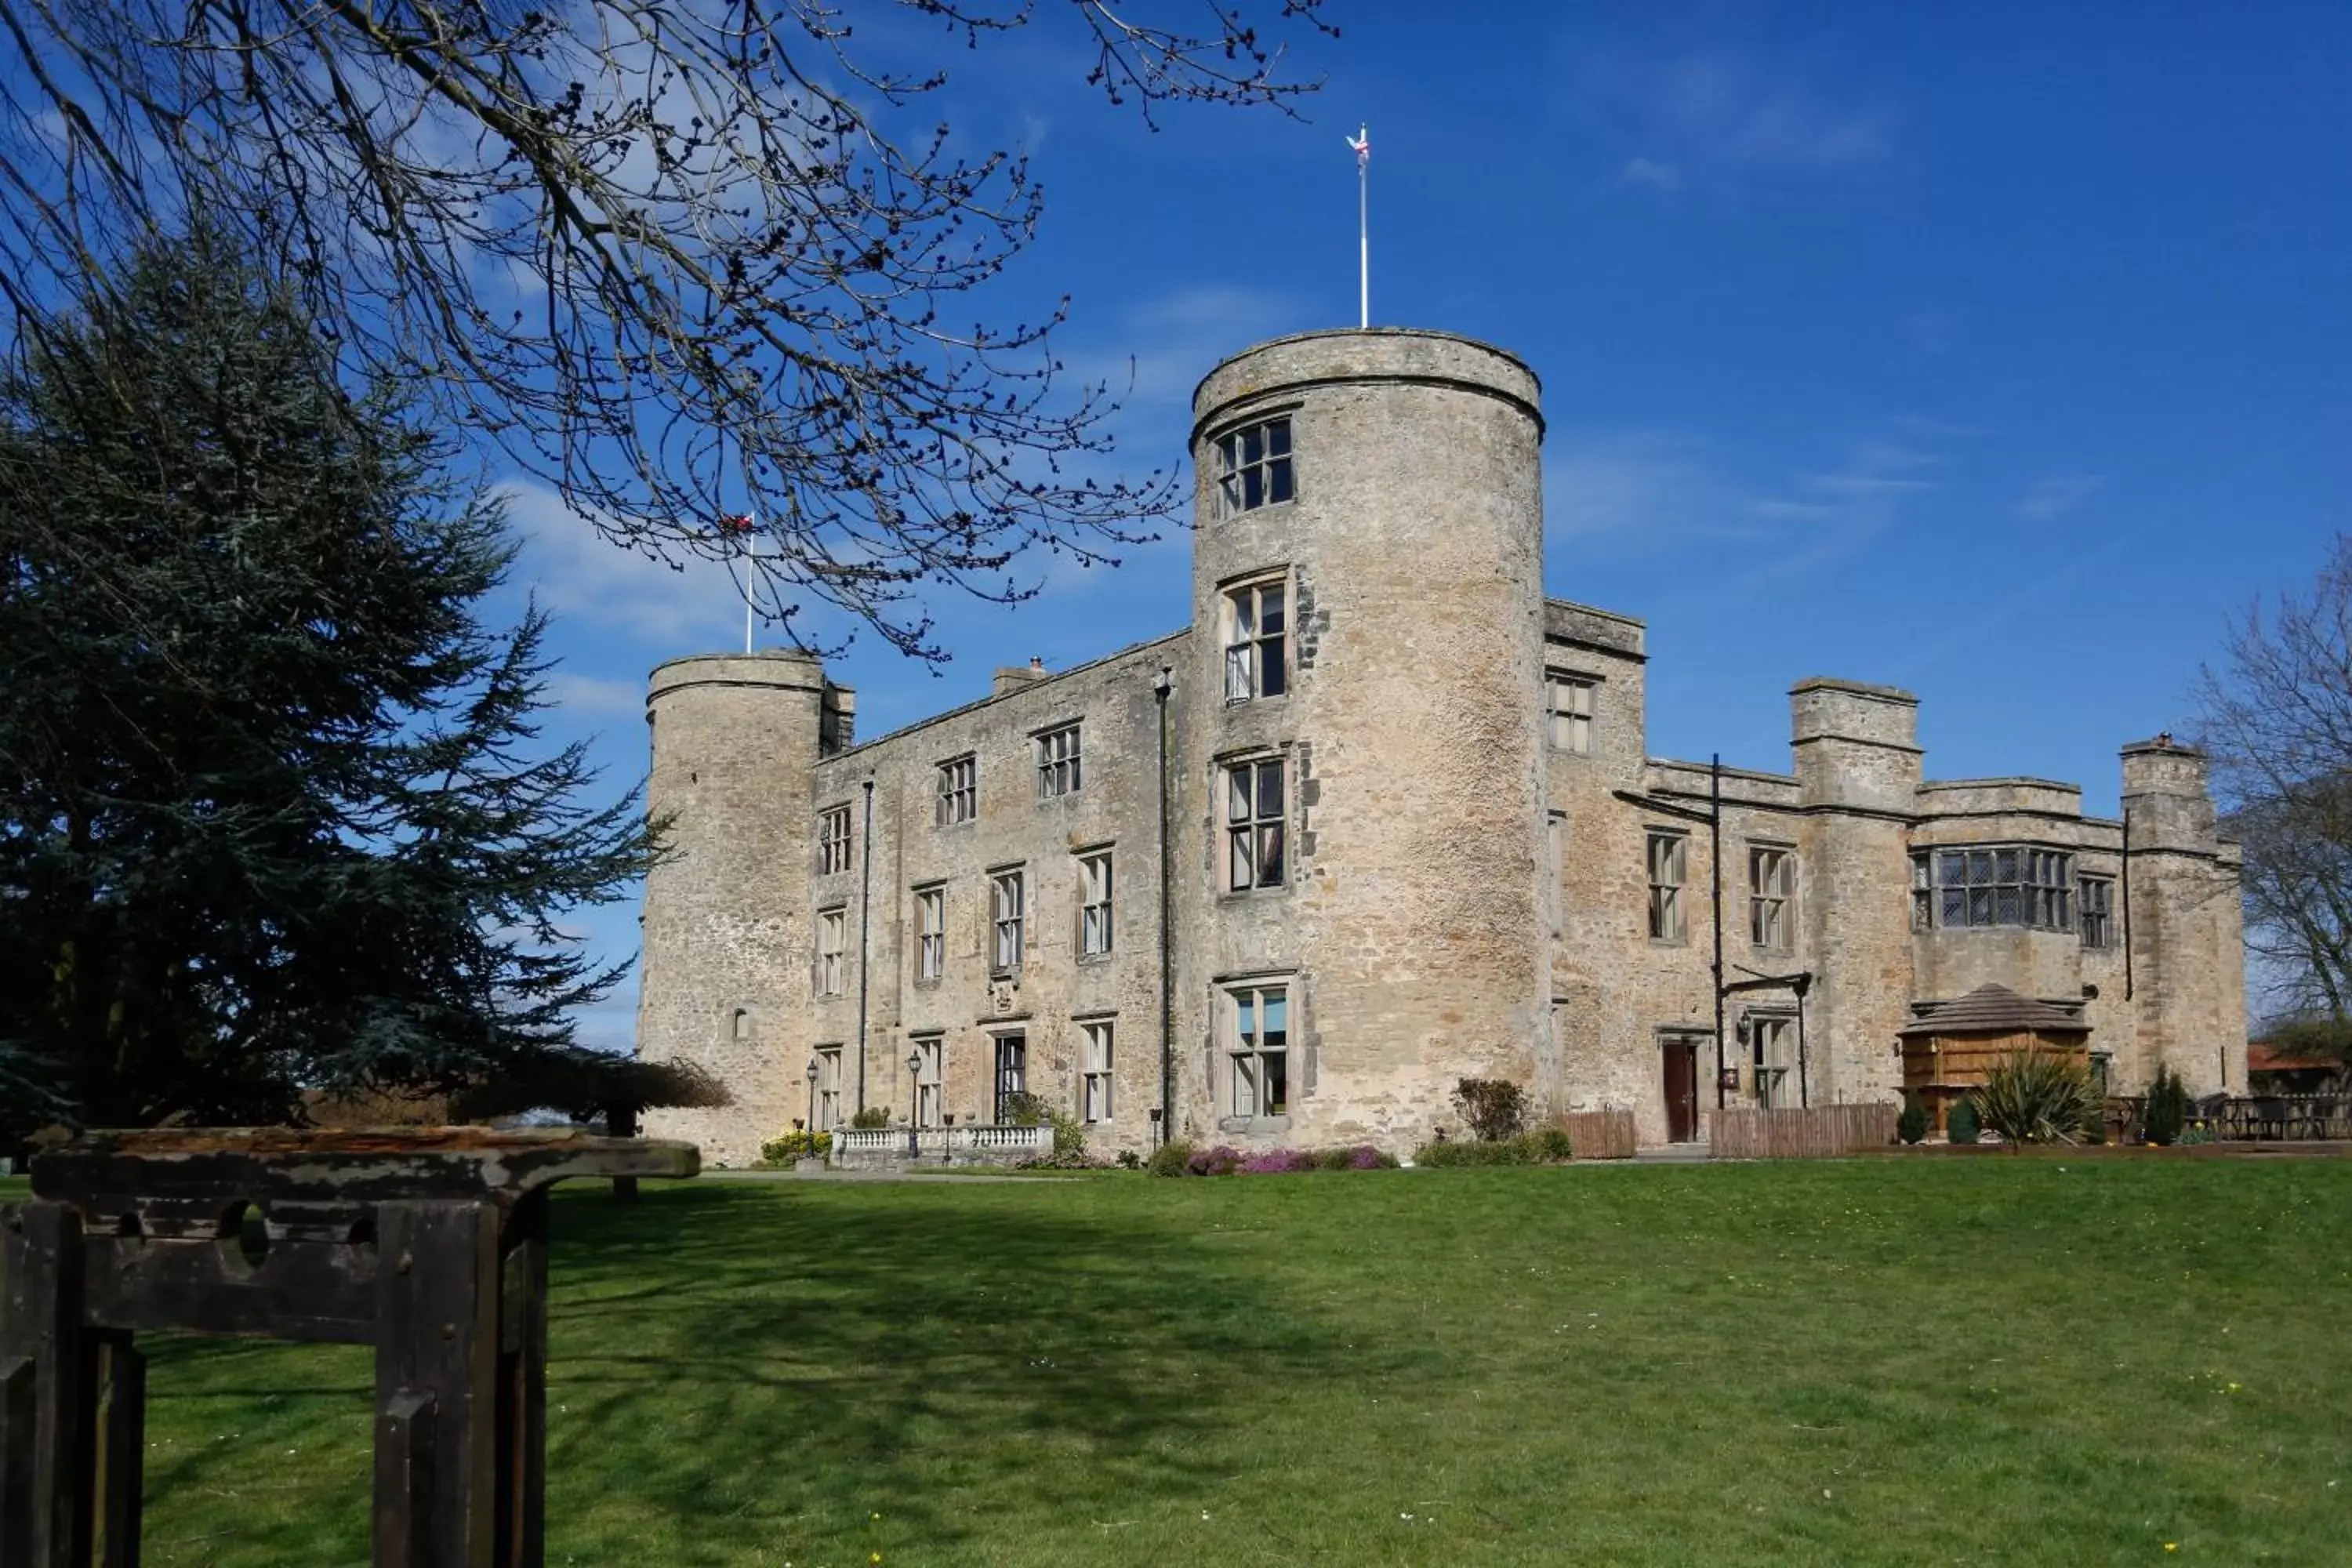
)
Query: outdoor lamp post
[
  {"x": 811, "y": 1121},
  {"x": 914, "y": 1098}
]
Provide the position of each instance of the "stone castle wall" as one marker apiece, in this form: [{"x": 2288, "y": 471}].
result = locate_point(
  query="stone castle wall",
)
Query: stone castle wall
[{"x": 1461, "y": 896}]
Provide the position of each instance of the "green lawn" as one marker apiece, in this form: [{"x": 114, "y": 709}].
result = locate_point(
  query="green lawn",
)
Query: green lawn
[{"x": 1885, "y": 1361}]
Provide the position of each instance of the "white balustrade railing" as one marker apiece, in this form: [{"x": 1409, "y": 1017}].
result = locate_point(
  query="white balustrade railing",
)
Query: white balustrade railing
[{"x": 941, "y": 1142}]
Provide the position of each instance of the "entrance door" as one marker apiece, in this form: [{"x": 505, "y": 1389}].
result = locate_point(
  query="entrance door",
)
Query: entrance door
[
  {"x": 1012, "y": 1070},
  {"x": 1681, "y": 1055}
]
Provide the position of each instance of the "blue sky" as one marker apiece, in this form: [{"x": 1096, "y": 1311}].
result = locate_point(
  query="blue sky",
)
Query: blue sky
[{"x": 2002, "y": 355}]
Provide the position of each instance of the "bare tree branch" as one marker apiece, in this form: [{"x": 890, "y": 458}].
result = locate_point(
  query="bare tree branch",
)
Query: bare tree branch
[
  {"x": 2278, "y": 719},
  {"x": 682, "y": 259}
]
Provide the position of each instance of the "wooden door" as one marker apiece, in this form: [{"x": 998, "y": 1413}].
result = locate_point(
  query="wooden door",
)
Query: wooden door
[{"x": 1682, "y": 1090}]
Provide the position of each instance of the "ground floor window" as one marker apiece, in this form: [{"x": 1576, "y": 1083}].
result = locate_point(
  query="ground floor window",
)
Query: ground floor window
[
  {"x": 1095, "y": 1086},
  {"x": 828, "y": 1087},
  {"x": 930, "y": 1078},
  {"x": 1011, "y": 1072},
  {"x": 1258, "y": 1050},
  {"x": 1772, "y": 1059}
]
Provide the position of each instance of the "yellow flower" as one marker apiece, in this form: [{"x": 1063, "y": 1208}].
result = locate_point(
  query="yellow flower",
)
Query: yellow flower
[{"x": 2172, "y": 1546}]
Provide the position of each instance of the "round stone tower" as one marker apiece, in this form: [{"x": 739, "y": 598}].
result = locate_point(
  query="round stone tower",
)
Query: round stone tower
[
  {"x": 1367, "y": 606},
  {"x": 726, "y": 944}
]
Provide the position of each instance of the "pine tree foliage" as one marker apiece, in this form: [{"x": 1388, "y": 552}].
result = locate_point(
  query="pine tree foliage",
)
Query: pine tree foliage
[{"x": 273, "y": 811}]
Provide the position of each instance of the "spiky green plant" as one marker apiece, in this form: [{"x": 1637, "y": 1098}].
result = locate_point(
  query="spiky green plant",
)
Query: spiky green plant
[
  {"x": 2168, "y": 1107},
  {"x": 2035, "y": 1096}
]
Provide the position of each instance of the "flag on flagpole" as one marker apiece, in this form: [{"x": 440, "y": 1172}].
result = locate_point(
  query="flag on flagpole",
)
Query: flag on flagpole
[{"x": 1362, "y": 144}]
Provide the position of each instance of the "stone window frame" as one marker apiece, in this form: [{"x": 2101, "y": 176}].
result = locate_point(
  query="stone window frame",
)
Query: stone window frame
[
  {"x": 1250, "y": 472},
  {"x": 1772, "y": 912},
  {"x": 1097, "y": 1068},
  {"x": 931, "y": 1078},
  {"x": 2096, "y": 919},
  {"x": 959, "y": 791},
  {"x": 1771, "y": 1031},
  {"x": 1257, "y": 1092},
  {"x": 1096, "y": 901},
  {"x": 833, "y": 839},
  {"x": 832, "y": 968},
  {"x": 1580, "y": 690},
  {"x": 1008, "y": 918},
  {"x": 2001, "y": 886},
  {"x": 1252, "y": 652},
  {"x": 1665, "y": 859},
  {"x": 1003, "y": 1083},
  {"x": 1059, "y": 757},
  {"x": 930, "y": 933},
  {"x": 1255, "y": 831},
  {"x": 828, "y": 1087}
]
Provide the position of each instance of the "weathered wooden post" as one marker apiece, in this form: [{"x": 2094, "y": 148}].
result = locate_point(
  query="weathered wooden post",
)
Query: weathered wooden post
[{"x": 431, "y": 1245}]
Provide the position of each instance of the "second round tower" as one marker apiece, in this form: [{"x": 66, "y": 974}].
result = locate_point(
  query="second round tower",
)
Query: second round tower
[{"x": 1366, "y": 752}]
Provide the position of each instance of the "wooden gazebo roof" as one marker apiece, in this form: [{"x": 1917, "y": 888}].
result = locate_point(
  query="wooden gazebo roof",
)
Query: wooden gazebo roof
[{"x": 1992, "y": 1010}]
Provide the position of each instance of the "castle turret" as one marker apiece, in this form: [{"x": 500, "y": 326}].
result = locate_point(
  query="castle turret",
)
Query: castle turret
[
  {"x": 726, "y": 944},
  {"x": 1368, "y": 605},
  {"x": 1856, "y": 749},
  {"x": 2183, "y": 924}
]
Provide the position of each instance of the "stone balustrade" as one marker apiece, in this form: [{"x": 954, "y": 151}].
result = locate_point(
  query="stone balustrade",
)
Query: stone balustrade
[{"x": 864, "y": 1147}]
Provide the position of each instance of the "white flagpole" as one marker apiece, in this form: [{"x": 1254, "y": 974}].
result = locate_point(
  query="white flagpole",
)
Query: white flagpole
[
  {"x": 1363, "y": 146},
  {"x": 751, "y": 576}
]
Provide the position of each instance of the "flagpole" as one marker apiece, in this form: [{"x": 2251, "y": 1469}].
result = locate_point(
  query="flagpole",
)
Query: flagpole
[
  {"x": 751, "y": 576},
  {"x": 1363, "y": 145}
]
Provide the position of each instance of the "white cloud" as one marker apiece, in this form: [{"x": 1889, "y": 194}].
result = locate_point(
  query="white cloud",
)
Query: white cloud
[
  {"x": 1649, "y": 171},
  {"x": 1722, "y": 118},
  {"x": 593, "y": 583},
  {"x": 2047, "y": 499},
  {"x": 593, "y": 696},
  {"x": 1664, "y": 495}
]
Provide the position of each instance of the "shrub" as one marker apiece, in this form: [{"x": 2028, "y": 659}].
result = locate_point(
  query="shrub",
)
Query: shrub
[
  {"x": 1063, "y": 1160},
  {"x": 872, "y": 1116},
  {"x": 1912, "y": 1125},
  {"x": 1361, "y": 1157},
  {"x": 2168, "y": 1107},
  {"x": 785, "y": 1148},
  {"x": 1495, "y": 1107},
  {"x": 1277, "y": 1162},
  {"x": 1172, "y": 1158},
  {"x": 1069, "y": 1135},
  {"x": 2034, "y": 1096},
  {"x": 1128, "y": 1160},
  {"x": 1023, "y": 1110},
  {"x": 1544, "y": 1146},
  {"x": 1221, "y": 1161},
  {"x": 1962, "y": 1125}
]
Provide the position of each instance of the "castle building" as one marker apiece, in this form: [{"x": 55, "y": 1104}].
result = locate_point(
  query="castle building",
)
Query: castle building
[{"x": 1381, "y": 818}]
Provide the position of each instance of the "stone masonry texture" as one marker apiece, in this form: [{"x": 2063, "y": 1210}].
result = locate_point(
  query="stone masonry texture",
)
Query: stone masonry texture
[{"x": 1460, "y": 892}]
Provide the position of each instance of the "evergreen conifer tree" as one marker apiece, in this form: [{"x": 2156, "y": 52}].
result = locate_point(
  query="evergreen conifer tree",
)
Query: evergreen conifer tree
[{"x": 272, "y": 815}]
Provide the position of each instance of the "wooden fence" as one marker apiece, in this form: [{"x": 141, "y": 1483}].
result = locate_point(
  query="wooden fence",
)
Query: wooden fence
[
  {"x": 1599, "y": 1135},
  {"x": 1820, "y": 1133}
]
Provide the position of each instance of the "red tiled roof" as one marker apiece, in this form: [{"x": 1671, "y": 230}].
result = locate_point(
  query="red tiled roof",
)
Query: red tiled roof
[{"x": 2262, "y": 1057}]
